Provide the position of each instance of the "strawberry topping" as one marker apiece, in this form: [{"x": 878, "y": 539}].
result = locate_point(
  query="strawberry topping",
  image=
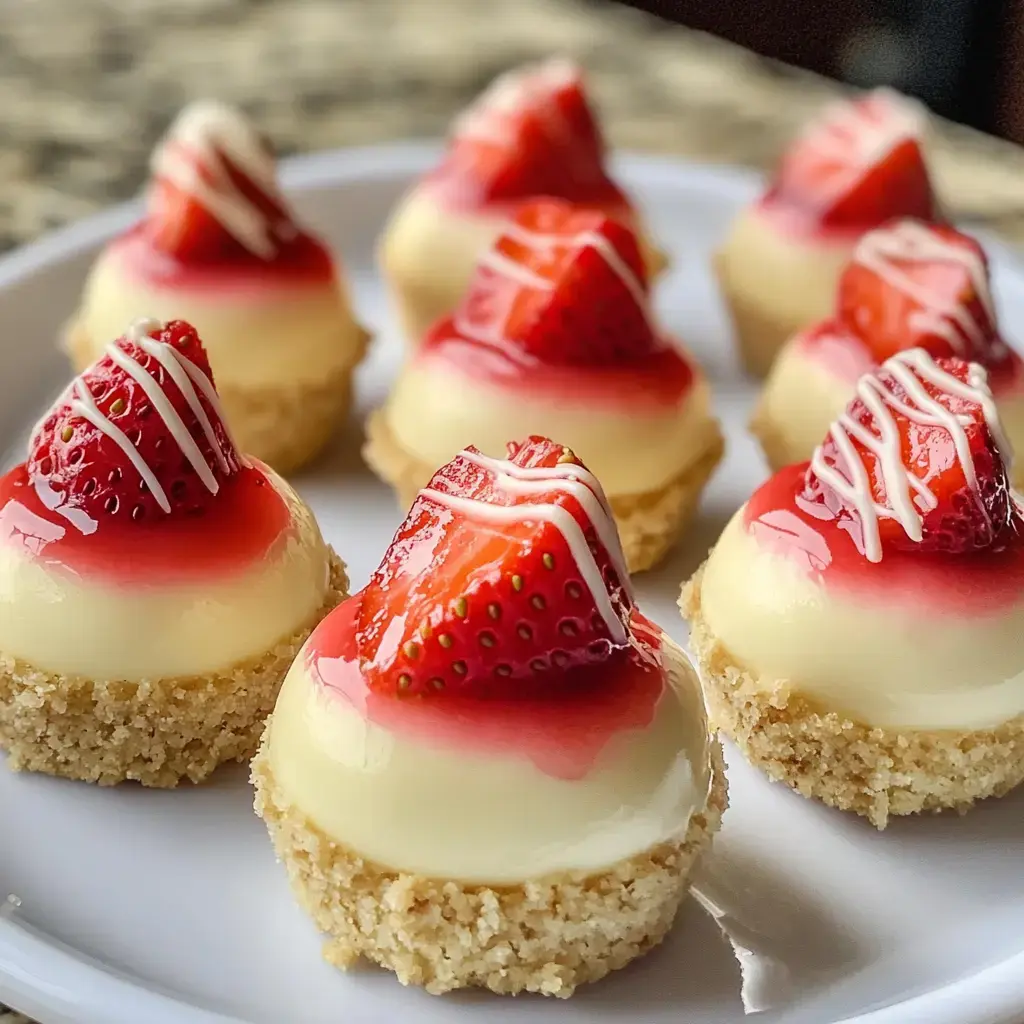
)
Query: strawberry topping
[
  {"x": 139, "y": 435},
  {"x": 858, "y": 166},
  {"x": 505, "y": 580},
  {"x": 214, "y": 195},
  {"x": 917, "y": 461},
  {"x": 532, "y": 133},
  {"x": 913, "y": 285},
  {"x": 561, "y": 286}
]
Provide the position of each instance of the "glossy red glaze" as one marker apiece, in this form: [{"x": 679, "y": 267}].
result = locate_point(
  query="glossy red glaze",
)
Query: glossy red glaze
[
  {"x": 563, "y": 736},
  {"x": 830, "y": 550},
  {"x": 241, "y": 527},
  {"x": 303, "y": 261},
  {"x": 661, "y": 378}
]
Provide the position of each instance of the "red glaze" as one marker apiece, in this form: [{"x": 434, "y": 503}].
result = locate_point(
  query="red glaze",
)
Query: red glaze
[
  {"x": 559, "y": 304},
  {"x": 244, "y": 526},
  {"x": 844, "y": 177},
  {"x": 562, "y": 736},
  {"x": 302, "y": 262},
  {"x": 466, "y": 607},
  {"x": 806, "y": 533},
  {"x": 961, "y": 519},
  {"x": 538, "y": 138}
]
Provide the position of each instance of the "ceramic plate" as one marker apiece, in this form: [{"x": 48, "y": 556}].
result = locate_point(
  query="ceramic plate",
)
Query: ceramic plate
[{"x": 168, "y": 908}]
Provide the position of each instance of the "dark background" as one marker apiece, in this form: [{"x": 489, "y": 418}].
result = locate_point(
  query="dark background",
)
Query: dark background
[{"x": 964, "y": 58}]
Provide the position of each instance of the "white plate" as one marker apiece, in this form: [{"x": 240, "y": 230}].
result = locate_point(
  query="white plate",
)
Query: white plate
[{"x": 143, "y": 907}]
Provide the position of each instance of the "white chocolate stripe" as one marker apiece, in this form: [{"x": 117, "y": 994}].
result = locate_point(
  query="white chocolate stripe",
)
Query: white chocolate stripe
[
  {"x": 83, "y": 404},
  {"x": 565, "y": 523},
  {"x": 908, "y": 369},
  {"x": 167, "y": 412},
  {"x": 911, "y": 241},
  {"x": 497, "y": 261},
  {"x": 574, "y": 480}
]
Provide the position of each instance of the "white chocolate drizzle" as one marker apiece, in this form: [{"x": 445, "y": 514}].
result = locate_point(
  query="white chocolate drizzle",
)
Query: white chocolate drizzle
[
  {"x": 191, "y": 157},
  {"x": 567, "y": 478},
  {"x": 910, "y": 241},
  {"x": 188, "y": 377},
  {"x": 907, "y": 494},
  {"x": 856, "y": 135},
  {"x": 489, "y": 118},
  {"x": 502, "y": 266}
]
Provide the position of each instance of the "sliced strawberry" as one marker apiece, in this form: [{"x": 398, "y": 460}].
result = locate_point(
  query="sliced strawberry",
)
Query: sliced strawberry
[
  {"x": 914, "y": 285},
  {"x": 860, "y": 165},
  {"x": 532, "y": 133},
  {"x": 214, "y": 193},
  {"x": 486, "y": 590},
  {"x": 83, "y": 467},
  {"x": 907, "y": 449},
  {"x": 562, "y": 286}
]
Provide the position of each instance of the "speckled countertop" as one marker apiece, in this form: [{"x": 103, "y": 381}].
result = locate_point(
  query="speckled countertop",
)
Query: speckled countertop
[{"x": 88, "y": 85}]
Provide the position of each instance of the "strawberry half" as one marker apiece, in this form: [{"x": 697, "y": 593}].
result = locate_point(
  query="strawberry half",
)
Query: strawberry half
[
  {"x": 919, "y": 465},
  {"x": 561, "y": 285},
  {"x": 97, "y": 470},
  {"x": 533, "y": 133},
  {"x": 504, "y": 578},
  {"x": 214, "y": 193},
  {"x": 915, "y": 285},
  {"x": 859, "y": 165}
]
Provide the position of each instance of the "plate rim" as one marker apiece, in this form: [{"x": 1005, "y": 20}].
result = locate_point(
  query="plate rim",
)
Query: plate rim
[{"x": 43, "y": 977}]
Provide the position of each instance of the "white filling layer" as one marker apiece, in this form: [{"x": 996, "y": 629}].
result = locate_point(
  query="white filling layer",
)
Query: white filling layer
[
  {"x": 434, "y": 412},
  {"x": 494, "y": 817},
  {"x": 880, "y": 663},
  {"x": 59, "y": 622},
  {"x": 254, "y": 336}
]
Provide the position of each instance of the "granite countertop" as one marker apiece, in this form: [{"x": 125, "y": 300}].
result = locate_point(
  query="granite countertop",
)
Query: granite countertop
[{"x": 88, "y": 85}]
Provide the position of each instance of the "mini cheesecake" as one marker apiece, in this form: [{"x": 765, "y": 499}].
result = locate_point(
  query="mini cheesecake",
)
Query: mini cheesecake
[
  {"x": 219, "y": 247},
  {"x": 859, "y": 165},
  {"x": 155, "y": 584},
  {"x": 555, "y": 336},
  {"x": 859, "y": 625},
  {"x": 908, "y": 285},
  {"x": 487, "y": 768},
  {"x": 532, "y": 133}
]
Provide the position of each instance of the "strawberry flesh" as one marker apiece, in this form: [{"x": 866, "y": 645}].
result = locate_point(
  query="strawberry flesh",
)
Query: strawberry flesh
[
  {"x": 86, "y": 469},
  {"x": 562, "y": 286},
  {"x": 862, "y": 165},
  {"x": 887, "y": 312},
  {"x": 532, "y": 134},
  {"x": 473, "y": 607},
  {"x": 962, "y": 519}
]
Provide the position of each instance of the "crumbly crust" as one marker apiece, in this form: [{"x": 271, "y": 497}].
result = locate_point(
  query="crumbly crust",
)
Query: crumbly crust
[
  {"x": 874, "y": 772},
  {"x": 759, "y": 335},
  {"x": 649, "y": 524},
  {"x": 773, "y": 442},
  {"x": 284, "y": 425},
  {"x": 546, "y": 936},
  {"x": 157, "y": 732}
]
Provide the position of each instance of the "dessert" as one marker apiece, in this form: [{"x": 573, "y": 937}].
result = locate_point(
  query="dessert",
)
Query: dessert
[
  {"x": 858, "y": 166},
  {"x": 219, "y": 247},
  {"x": 859, "y": 625},
  {"x": 487, "y": 768},
  {"x": 155, "y": 584},
  {"x": 555, "y": 336},
  {"x": 908, "y": 285},
  {"x": 532, "y": 133}
]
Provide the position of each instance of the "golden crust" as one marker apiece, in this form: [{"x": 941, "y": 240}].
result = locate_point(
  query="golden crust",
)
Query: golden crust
[
  {"x": 157, "y": 732},
  {"x": 284, "y": 425},
  {"x": 546, "y": 936},
  {"x": 759, "y": 335},
  {"x": 649, "y": 524},
  {"x": 874, "y": 772},
  {"x": 773, "y": 442}
]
